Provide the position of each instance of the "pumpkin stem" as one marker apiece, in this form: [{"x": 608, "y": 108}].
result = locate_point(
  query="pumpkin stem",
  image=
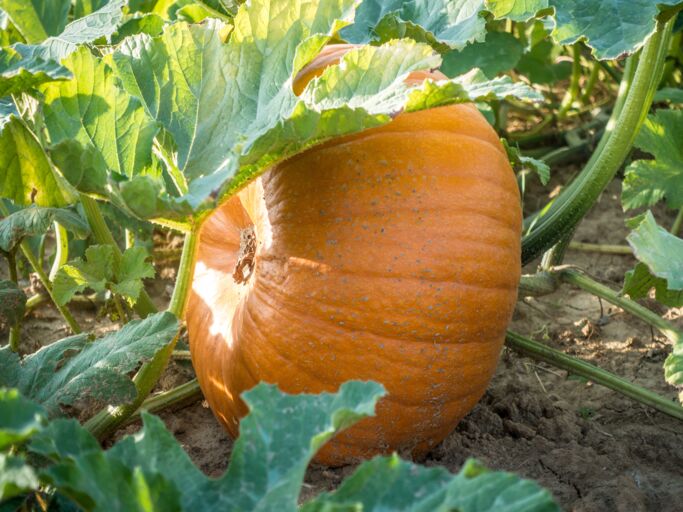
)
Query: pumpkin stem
[{"x": 245, "y": 259}]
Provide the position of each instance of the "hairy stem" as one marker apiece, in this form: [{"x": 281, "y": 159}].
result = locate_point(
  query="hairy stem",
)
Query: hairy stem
[
  {"x": 576, "y": 366},
  {"x": 590, "y": 84},
  {"x": 567, "y": 210},
  {"x": 175, "y": 398},
  {"x": 144, "y": 305}
]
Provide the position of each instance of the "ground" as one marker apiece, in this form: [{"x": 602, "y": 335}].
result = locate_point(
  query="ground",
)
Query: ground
[{"x": 594, "y": 449}]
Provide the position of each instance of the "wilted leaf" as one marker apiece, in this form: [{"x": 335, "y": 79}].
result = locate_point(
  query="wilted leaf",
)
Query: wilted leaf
[{"x": 76, "y": 371}]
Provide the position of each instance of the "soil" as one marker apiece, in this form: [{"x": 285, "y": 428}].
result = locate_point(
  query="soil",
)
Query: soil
[{"x": 592, "y": 448}]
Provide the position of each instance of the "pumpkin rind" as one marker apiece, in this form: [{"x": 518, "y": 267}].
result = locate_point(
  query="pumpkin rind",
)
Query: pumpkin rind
[{"x": 391, "y": 255}]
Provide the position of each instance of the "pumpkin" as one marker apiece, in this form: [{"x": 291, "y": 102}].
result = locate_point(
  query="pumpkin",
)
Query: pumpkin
[{"x": 390, "y": 255}]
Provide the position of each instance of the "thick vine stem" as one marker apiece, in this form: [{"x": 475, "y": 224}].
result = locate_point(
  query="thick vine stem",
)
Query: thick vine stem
[
  {"x": 108, "y": 420},
  {"x": 144, "y": 305},
  {"x": 175, "y": 398},
  {"x": 576, "y": 366},
  {"x": 578, "y": 278},
  {"x": 565, "y": 212}
]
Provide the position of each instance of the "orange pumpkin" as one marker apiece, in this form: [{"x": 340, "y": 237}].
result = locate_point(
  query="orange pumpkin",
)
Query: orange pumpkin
[{"x": 391, "y": 255}]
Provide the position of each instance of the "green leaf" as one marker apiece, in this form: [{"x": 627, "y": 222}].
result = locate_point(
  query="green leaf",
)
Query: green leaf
[
  {"x": 101, "y": 23},
  {"x": 100, "y": 272},
  {"x": 63, "y": 438},
  {"x": 93, "y": 110},
  {"x": 449, "y": 23},
  {"x": 7, "y": 110},
  {"x": 78, "y": 373},
  {"x": 500, "y": 52},
  {"x": 649, "y": 181},
  {"x": 96, "y": 272},
  {"x": 277, "y": 441},
  {"x": 522, "y": 163},
  {"x": 388, "y": 483},
  {"x": 129, "y": 274},
  {"x": 19, "y": 418},
  {"x": 26, "y": 174},
  {"x": 85, "y": 7},
  {"x": 99, "y": 484},
  {"x": 639, "y": 281},
  {"x": 474, "y": 86},
  {"x": 150, "y": 24},
  {"x": 36, "y": 220},
  {"x": 37, "y": 19},
  {"x": 16, "y": 477},
  {"x": 540, "y": 65},
  {"x": 22, "y": 69},
  {"x": 624, "y": 25},
  {"x": 661, "y": 251},
  {"x": 12, "y": 303},
  {"x": 669, "y": 94}
]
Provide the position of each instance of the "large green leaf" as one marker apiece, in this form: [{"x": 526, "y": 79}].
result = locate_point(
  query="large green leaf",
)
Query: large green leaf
[
  {"x": 12, "y": 303},
  {"x": 8, "y": 109},
  {"x": 21, "y": 70},
  {"x": 279, "y": 436},
  {"x": 451, "y": 22},
  {"x": 19, "y": 418},
  {"x": 36, "y": 20},
  {"x": 661, "y": 251},
  {"x": 36, "y": 220},
  {"x": 26, "y": 174},
  {"x": 648, "y": 181},
  {"x": 93, "y": 110},
  {"x": 100, "y": 271},
  {"x": 95, "y": 25},
  {"x": 78, "y": 372},
  {"x": 230, "y": 107},
  {"x": 389, "y": 483},
  {"x": 611, "y": 27}
]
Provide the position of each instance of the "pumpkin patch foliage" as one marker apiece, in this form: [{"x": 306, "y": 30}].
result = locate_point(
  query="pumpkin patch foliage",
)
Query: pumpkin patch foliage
[{"x": 315, "y": 216}]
